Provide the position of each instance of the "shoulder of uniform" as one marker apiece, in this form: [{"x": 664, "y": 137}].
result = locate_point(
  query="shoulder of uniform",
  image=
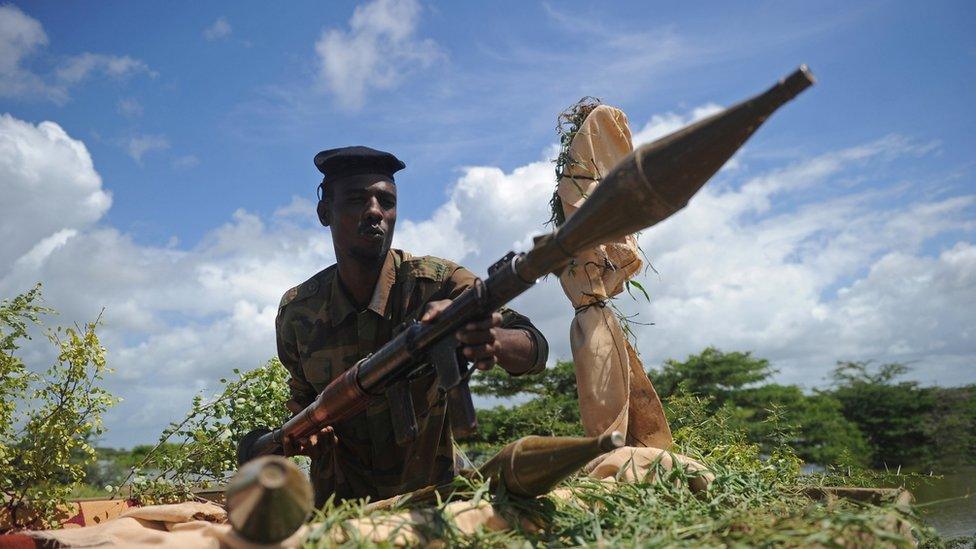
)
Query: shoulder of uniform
[
  {"x": 289, "y": 296},
  {"x": 308, "y": 288},
  {"x": 428, "y": 266}
]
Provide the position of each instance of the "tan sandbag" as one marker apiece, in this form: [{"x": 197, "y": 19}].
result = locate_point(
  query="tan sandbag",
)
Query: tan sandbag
[
  {"x": 130, "y": 532},
  {"x": 614, "y": 391},
  {"x": 179, "y": 512},
  {"x": 647, "y": 424},
  {"x": 181, "y": 525},
  {"x": 629, "y": 464},
  {"x": 147, "y": 526},
  {"x": 423, "y": 525},
  {"x": 602, "y": 372}
]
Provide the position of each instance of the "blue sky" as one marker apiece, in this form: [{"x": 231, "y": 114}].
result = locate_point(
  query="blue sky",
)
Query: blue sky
[{"x": 177, "y": 184}]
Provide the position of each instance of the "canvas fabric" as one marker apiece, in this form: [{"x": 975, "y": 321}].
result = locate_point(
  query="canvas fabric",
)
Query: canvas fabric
[
  {"x": 321, "y": 334},
  {"x": 615, "y": 393},
  {"x": 176, "y": 526},
  {"x": 204, "y": 525}
]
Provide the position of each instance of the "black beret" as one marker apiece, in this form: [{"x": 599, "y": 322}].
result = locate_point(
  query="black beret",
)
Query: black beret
[{"x": 346, "y": 161}]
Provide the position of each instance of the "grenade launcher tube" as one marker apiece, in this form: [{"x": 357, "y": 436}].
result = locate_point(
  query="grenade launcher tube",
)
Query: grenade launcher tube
[{"x": 646, "y": 187}]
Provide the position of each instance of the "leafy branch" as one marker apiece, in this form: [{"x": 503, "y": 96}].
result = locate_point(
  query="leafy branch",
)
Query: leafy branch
[{"x": 205, "y": 451}]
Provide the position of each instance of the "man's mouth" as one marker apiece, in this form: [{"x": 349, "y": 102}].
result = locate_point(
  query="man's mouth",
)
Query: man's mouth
[{"x": 372, "y": 233}]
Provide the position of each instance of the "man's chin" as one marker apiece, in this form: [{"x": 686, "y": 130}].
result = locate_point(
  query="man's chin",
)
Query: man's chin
[{"x": 370, "y": 254}]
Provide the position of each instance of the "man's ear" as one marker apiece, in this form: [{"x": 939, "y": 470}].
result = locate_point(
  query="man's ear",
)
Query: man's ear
[{"x": 323, "y": 210}]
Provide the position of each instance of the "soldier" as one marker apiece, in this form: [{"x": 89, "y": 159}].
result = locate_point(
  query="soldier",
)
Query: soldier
[{"x": 345, "y": 312}]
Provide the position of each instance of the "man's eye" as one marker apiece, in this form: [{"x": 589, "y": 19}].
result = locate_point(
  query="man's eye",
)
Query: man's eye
[{"x": 388, "y": 203}]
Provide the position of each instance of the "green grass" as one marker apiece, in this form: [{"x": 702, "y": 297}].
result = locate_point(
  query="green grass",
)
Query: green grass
[
  {"x": 754, "y": 501},
  {"x": 749, "y": 506}
]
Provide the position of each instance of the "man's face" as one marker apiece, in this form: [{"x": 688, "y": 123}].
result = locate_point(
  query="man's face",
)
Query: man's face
[{"x": 362, "y": 216}]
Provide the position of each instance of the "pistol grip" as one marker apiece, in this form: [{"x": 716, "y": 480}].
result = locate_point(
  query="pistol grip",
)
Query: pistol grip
[
  {"x": 460, "y": 407},
  {"x": 444, "y": 357},
  {"x": 402, "y": 412}
]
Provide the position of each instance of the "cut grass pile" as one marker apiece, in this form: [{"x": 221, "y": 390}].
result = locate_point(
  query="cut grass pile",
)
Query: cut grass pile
[{"x": 755, "y": 500}]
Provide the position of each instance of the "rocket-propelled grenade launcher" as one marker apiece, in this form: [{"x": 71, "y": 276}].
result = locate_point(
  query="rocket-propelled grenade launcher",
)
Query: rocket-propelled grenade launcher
[{"x": 645, "y": 188}]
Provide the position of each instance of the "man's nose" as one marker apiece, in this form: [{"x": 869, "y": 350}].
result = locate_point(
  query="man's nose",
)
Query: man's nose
[{"x": 373, "y": 210}]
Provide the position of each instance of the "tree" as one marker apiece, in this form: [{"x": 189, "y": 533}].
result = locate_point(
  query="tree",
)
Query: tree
[
  {"x": 711, "y": 373},
  {"x": 868, "y": 417},
  {"x": 769, "y": 414},
  {"x": 952, "y": 426},
  {"x": 553, "y": 410},
  {"x": 817, "y": 428},
  {"x": 46, "y": 420},
  {"x": 893, "y": 416}
]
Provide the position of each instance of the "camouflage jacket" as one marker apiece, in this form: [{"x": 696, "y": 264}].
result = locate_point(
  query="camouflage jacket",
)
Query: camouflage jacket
[{"x": 321, "y": 334}]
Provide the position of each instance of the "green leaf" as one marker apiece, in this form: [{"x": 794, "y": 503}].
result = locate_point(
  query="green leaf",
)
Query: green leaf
[{"x": 639, "y": 286}]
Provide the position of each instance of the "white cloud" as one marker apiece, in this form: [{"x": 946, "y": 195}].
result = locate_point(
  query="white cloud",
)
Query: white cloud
[
  {"x": 662, "y": 124},
  {"x": 846, "y": 278},
  {"x": 77, "y": 68},
  {"x": 22, "y": 36},
  {"x": 932, "y": 299},
  {"x": 736, "y": 273},
  {"x": 218, "y": 30},
  {"x": 48, "y": 184},
  {"x": 175, "y": 319},
  {"x": 470, "y": 224},
  {"x": 375, "y": 53},
  {"x": 140, "y": 145},
  {"x": 186, "y": 162},
  {"x": 36, "y": 256},
  {"x": 130, "y": 107}
]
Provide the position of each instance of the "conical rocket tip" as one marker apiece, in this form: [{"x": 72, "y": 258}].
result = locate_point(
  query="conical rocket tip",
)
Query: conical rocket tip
[{"x": 273, "y": 475}]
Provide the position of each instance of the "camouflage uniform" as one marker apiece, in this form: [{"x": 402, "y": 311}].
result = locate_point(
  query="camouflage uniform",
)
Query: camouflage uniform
[{"x": 321, "y": 334}]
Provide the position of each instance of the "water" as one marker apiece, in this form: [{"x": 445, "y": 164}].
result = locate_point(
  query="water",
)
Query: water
[{"x": 944, "y": 505}]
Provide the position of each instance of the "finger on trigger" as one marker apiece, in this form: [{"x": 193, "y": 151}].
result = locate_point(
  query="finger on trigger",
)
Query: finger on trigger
[{"x": 479, "y": 325}]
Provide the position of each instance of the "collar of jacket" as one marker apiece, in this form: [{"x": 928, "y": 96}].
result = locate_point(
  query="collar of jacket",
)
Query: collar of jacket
[{"x": 342, "y": 305}]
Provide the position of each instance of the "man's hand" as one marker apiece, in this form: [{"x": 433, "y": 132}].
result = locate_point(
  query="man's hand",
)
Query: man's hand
[
  {"x": 479, "y": 338},
  {"x": 314, "y": 446}
]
